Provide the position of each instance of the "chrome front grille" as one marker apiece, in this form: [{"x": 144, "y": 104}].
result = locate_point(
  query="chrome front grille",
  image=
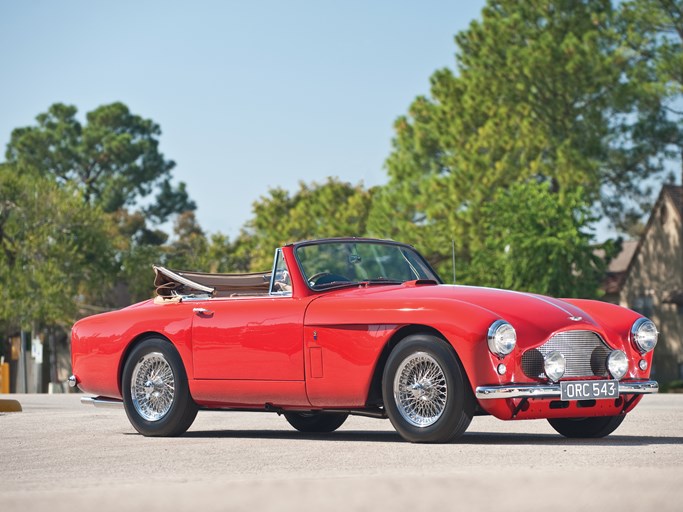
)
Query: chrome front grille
[{"x": 584, "y": 351}]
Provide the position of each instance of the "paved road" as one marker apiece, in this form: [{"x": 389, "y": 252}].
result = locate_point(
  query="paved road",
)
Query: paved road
[{"x": 59, "y": 455}]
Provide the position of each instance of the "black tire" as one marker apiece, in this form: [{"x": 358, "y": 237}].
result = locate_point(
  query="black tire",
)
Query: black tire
[
  {"x": 164, "y": 408},
  {"x": 449, "y": 394},
  {"x": 316, "y": 421},
  {"x": 600, "y": 426}
]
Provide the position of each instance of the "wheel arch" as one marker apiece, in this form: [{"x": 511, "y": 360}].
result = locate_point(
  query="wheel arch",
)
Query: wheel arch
[
  {"x": 375, "y": 389},
  {"x": 131, "y": 346}
]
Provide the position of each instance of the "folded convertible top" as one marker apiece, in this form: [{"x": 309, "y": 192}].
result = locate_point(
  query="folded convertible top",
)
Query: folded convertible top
[{"x": 171, "y": 283}]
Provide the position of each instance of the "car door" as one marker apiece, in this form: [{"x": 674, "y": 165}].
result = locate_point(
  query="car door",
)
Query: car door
[{"x": 249, "y": 338}]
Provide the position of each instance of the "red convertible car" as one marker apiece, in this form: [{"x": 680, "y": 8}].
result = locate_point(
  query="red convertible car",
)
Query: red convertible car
[{"x": 361, "y": 326}]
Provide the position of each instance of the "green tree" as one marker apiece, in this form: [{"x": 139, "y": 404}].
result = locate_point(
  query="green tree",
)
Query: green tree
[
  {"x": 542, "y": 92},
  {"x": 540, "y": 245},
  {"x": 114, "y": 162},
  {"x": 650, "y": 32},
  {"x": 114, "y": 159},
  {"x": 54, "y": 249},
  {"x": 330, "y": 209},
  {"x": 191, "y": 248}
]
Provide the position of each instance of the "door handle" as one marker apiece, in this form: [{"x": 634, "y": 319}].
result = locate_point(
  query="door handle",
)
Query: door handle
[{"x": 202, "y": 311}]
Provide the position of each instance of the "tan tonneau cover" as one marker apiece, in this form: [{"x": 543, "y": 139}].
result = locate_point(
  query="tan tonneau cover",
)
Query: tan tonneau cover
[{"x": 171, "y": 283}]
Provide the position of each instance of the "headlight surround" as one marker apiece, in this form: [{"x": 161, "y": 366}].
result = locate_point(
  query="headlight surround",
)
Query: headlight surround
[
  {"x": 554, "y": 365},
  {"x": 644, "y": 335},
  {"x": 617, "y": 364},
  {"x": 502, "y": 338}
]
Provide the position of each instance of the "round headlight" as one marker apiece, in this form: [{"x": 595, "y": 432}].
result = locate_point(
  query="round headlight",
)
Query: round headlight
[
  {"x": 617, "y": 364},
  {"x": 554, "y": 365},
  {"x": 502, "y": 338},
  {"x": 644, "y": 335}
]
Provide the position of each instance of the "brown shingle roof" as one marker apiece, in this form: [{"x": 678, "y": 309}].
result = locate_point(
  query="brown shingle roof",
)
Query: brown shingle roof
[{"x": 620, "y": 262}]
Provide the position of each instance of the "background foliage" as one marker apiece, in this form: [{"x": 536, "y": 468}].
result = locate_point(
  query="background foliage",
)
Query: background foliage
[{"x": 557, "y": 114}]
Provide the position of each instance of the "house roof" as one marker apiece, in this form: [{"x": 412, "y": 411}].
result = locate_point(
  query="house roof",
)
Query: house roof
[
  {"x": 620, "y": 266},
  {"x": 620, "y": 262},
  {"x": 616, "y": 270},
  {"x": 675, "y": 193}
]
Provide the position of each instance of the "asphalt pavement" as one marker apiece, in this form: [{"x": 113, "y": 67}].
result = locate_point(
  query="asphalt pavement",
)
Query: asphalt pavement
[{"x": 59, "y": 455}]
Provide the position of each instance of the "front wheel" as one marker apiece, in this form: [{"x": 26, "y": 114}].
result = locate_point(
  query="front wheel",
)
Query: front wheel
[
  {"x": 320, "y": 422},
  {"x": 156, "y": 395},
  {"x": 426, "y": 395},
  {"x": 586, "y": 427}
]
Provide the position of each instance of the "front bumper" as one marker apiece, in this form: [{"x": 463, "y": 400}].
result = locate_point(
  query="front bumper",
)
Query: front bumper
[{"x": 643, "y": 387}]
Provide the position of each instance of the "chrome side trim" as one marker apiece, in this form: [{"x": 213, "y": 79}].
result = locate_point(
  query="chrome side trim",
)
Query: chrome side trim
[
  {"x": 102, "y": 401},
  {"x": 553, "y": 390}
]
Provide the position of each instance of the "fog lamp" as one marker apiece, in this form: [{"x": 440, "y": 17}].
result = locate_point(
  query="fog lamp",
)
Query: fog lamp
[
  {"x": 642, "y": 364},
  {"x": 617, "y": 364},
  {"x": 554, "y": 365}
]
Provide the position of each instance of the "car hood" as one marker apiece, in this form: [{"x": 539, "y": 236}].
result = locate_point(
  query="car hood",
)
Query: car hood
[{"x": 534, "y": 317}]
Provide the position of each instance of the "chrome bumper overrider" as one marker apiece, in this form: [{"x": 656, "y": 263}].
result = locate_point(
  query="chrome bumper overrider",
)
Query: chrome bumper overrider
[
  {"x": 101, "y": 401},
  {"x": 553, "y": 390}
]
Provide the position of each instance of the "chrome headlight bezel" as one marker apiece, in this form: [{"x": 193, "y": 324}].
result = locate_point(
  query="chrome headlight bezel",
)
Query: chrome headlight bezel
[
  {"x": 617, "y": 364},
  {"x": 501, "y": 338},
  {"x": 644, "y": 335}
]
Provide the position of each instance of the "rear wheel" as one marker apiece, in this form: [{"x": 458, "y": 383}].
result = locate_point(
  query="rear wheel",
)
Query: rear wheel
[
  {"x": 586, "y": 427},
  {"x": 316, "y": 421},
  {"x": 156, "y": 395},
  {"x": 425, "y": 392}
]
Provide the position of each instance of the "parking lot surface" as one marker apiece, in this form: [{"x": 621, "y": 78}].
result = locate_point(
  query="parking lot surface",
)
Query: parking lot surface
[{"x": 59, "y": 455}]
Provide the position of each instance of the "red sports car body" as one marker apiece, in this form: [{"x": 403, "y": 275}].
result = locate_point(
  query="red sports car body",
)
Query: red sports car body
[{"x": 361, "y": 326}]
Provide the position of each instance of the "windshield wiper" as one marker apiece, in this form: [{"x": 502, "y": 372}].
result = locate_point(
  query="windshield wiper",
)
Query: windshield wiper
[
  {"x": 334, "y": 284},
  {"x": 381, "y": 280},
  {"x": 364, "y": 282}
]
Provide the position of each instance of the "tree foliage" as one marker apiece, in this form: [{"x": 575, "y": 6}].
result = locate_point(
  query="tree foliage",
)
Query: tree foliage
[
  {"x": 333, "y": 208},
  {"x": 545, "y": 90},
  {"x": 537, "y": 242},
  {"x": 53, "y": 248},
  {"x": 114, "y": 164},
  {"x": 650, "y": 32},
  {"x": 557, "y": 111},
  {"x": 114, "y": 159}
]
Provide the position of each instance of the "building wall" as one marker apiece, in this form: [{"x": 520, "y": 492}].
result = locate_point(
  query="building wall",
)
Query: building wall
[{"x": 655, "y": 271}]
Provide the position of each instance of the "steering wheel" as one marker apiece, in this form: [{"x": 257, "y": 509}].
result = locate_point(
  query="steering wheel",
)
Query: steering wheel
[{"x": 326, "y": 278}]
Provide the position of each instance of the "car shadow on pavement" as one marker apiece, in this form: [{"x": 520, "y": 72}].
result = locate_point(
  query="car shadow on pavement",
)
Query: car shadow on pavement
[
  {"x": 558, "y": 440},
  {"x": 475, "y": 438},
  {"x": 348, "y": 435}
]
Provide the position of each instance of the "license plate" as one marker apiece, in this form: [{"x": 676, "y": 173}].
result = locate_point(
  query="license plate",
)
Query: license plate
[{"x": 589, "y": 390}]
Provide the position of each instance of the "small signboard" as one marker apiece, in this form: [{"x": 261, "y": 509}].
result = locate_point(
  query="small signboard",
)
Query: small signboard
[{"x": 37, "y": 350}]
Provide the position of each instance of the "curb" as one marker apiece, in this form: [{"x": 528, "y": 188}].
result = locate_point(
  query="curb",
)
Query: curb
[{"x": 10, "y": 406}]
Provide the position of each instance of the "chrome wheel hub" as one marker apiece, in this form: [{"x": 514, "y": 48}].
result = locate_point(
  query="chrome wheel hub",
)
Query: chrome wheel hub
[
  {"x": 152, "y": 386},
  {"x": 420, "y": 390}
]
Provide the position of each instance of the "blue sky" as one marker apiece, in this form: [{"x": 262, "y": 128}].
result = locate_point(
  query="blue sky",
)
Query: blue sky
[{"x": 249, "y": 95}]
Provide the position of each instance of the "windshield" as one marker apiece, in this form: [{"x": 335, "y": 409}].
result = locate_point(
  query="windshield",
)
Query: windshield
[{"x": 339, "y": 263}]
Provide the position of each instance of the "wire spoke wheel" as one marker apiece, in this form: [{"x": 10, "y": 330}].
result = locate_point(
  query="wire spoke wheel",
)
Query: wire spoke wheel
[
  {"x": 424, "y": 390},
  {"x": 152, "y": 386},
  {"x": 155, "y": 389},
  {"x": 420, "y": 390}
]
